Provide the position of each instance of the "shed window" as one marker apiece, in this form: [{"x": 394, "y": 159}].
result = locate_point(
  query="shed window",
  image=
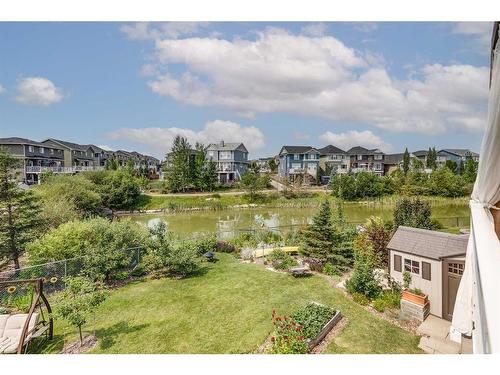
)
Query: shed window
[
  {"x": 412, "y": 266},
  {"x": 397, "y": 263},
  {"x": 456, "y": 268},
  {"x": 426, "y": 271}
]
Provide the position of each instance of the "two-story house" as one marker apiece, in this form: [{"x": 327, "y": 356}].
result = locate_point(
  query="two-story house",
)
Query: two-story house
[
  {"x": 298, "y": 161},
  {"x": 457, "y": 155},
  {"x": 80, "y": 157},
  {"x": 35, "y": 157},
  {"x": 231, "y": 158},
  {"x": 333, "y": 160},
  {"x": 365, "y": 160}
]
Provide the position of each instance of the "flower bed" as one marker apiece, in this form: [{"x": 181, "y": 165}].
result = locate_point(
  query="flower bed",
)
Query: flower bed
[
  {"x": 306, "y": 328},
  {"x": 317, "y": 320}
]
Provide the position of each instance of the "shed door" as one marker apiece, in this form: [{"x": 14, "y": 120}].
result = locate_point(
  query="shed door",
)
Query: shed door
[{"x": 455, "y": 271}]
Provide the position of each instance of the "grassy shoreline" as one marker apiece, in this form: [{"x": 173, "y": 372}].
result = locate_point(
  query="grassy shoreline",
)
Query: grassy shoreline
[{"x": 170, "y": 203}]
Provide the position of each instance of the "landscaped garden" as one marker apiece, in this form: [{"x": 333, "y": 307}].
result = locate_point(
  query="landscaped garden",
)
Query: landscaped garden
[{"x": 226, "y": 309}]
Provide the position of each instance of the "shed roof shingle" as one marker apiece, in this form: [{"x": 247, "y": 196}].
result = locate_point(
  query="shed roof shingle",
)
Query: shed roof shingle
[{"x": 428, "y": 243}]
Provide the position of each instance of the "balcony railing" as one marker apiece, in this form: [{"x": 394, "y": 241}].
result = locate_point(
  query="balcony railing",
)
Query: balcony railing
[{"x": 41, "y": 169}]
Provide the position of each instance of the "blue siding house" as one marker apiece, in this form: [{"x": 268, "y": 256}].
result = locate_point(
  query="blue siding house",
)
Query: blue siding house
[
  {"x": 297, "y": 161},
  {"x": 231, "y": 158}
]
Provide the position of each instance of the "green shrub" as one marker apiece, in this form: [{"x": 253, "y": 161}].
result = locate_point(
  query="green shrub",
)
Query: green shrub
[
  {"x": 100, "y": 243},
  {"x": 206, "y": 244},
  {"x": 379, "y": 304},
  {"x": 225, "y": 247},
  {"x": 332, "y": 270},
  {"x": 360, "y": 298},
  {"x": 281, "y": 260},
  {"x": 120, "y": 276},
  {"x": 184, "y": 259},
  {"x": 138, "y": 271}
]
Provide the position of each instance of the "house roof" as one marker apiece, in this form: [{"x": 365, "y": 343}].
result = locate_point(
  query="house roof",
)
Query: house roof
[
  {"x": 20, "y": 141},
  {"x": 393, "y": 158},
  {"x": 420, "y": 153},
  {"x": 428, "y": 243},
  {"x": 356, "y": 150},
  {"x": 297, "y": 149},
  {"x": 70, "y": 145},
  {"x": 330, "y": 149},
  {"x": 223, "y": 146},
  {"x": 459, "y": 151}
]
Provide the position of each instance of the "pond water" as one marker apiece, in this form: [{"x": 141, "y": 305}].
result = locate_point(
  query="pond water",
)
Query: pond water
[{"x": 229, "y": 222}]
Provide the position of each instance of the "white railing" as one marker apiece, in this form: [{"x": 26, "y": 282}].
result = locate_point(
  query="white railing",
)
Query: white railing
[{"x": 40, "y": 169}]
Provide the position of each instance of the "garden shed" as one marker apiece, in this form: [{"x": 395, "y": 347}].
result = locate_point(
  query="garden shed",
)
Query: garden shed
[{"x": 435, "y": 261}]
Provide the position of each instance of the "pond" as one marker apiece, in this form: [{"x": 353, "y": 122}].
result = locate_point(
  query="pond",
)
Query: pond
[{"x": 227, "y": 223}]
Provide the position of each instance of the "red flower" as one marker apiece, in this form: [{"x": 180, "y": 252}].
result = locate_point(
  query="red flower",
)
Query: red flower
[{"x": 273, "y": 339}]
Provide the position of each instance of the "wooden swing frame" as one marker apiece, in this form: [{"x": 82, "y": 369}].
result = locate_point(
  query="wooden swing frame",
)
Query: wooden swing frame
[{"x": 40, "y": 328}]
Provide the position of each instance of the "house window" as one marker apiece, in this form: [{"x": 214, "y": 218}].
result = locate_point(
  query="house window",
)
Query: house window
[
  {"x": 378, "y": 166},
  {"x": 426, "y": 271},
  {"x": 456, "y": 268},
  {"x": 360, "y": 157},
  {"x": 378, "y": 157},
  {"x": 412, "y": 266},
  {"x": 42, "y": 150},
  {"x": 295, "y": 156},
  {"x": 30, "y": 148},
  {"x": 397, "y": 263},
  {"x": 52, "y": 151}
]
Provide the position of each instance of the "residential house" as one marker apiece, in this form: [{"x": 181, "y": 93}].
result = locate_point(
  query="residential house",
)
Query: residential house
[
  {"x": 333, "y": 160},
  {"x": 458, "y": 155},
  {"x": 435, "y": 261},
  {"x": 393, "y": 162},
  {"x": 263, "y": 164},
  {"x": 35, "y": 157},
  {"x": 421, "y": 155},
  {"x": 365, "y": 160},
  {"x": 299, "y": 161},
  {"x": 101, "y": 155},
  {"x": 231, "y": 158},
  {"x": 80, "y": 157}
]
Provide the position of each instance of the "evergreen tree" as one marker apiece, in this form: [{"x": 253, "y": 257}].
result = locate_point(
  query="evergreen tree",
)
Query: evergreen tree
[
  {"x": 179, "y": 167},
  {"x": 432, "y": 158},
  {"x": 209, "y": 176},
  {"x": 323, "y": 241},
  {"x": 406, "y": 161},
  {"x": 199, "y": 166},
  {"x": 272, "y": 165},
  {"x": 470, "y": 171},
  {"x": 112, "y": 164},
  {"x": 412, "y": 213},
  {"x": 19, "y": 212}
]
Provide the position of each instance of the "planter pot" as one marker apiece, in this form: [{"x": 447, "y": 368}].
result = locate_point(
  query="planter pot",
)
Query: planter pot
[
  {"x": 415, "y": 298},
  {"x": 325, "y": 330}
]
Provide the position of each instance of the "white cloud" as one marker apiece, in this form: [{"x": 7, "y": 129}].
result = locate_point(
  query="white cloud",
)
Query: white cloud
[
  {"x": 105, "y": 147},
  {"x": 2, "y": 89},
  {"x": 38, "y": 91},
  {"x": 159, "y": 140},
  {"x": 315, "y": 29},
  {"x": 158, "y": 30},
  {"x": 353, "y": 138},
  {"x": 479, "y": 31},
  {"x": 278, "y": 71},
  {"x": 299, "y": 136},
  {"x": 365, "y": 27}
]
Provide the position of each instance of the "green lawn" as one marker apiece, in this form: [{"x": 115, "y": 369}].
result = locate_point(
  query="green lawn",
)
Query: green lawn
[{"x": 226, "y": 310}]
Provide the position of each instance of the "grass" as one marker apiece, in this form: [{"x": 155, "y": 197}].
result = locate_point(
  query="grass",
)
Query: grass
[
  {"x": 314, "y": 199},
  {"x": 226, "y": 310}
]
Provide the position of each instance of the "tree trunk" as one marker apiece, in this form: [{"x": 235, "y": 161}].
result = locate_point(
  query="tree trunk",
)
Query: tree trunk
[{"x": 81, "y": 335}]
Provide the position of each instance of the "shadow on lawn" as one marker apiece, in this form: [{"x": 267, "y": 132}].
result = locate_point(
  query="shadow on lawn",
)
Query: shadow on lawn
[{"x": 107, "y": 335}]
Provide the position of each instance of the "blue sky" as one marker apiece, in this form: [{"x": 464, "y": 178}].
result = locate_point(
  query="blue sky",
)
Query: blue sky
[{"x": 134, "y": 86}]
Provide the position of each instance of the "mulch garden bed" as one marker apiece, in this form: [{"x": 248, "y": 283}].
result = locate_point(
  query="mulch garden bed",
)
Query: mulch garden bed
[{"x": 88, "y": 344}]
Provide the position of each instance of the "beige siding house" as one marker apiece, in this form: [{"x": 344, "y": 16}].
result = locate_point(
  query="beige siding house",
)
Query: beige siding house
[{"x": 435, "y": 261}]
